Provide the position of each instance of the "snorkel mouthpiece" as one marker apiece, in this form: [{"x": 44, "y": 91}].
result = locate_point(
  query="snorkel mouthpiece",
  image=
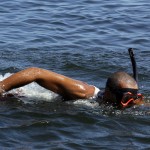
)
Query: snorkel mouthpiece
[{"x": 134, "y": 67}]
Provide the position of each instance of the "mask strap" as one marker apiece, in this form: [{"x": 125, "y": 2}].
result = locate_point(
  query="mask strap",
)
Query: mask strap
[{"x": 134, "y": 67}]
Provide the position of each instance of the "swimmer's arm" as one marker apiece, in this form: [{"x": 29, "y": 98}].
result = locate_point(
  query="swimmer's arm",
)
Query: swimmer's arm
[
  {"x": 18, "y": 79},
  {"x": 57, "y": 83}
]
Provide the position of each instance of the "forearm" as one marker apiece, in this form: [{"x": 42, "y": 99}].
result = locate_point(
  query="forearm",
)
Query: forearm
[{"x": 19, "y": 79}]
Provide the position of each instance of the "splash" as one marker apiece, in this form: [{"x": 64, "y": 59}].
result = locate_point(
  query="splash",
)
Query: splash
[
  {"x": 35, "y": 93},
  {"x": 31, "y": 92}
]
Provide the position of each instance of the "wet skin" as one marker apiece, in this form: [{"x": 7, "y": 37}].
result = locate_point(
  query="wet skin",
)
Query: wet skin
[{"x": 62, "y": 85}]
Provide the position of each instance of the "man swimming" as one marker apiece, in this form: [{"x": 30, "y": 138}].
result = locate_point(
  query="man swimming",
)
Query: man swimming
[{"x": 120, "y": 91}]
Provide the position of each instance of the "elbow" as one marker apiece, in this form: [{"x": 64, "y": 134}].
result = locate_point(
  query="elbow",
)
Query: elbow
[{"x": 33, "y": 72}]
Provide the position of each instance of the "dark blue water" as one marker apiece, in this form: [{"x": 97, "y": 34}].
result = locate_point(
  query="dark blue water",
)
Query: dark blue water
[{"x": 85, "y": 40}]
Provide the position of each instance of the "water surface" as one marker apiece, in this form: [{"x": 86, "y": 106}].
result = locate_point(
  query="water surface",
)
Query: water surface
[{"x": 86, "y": 40}]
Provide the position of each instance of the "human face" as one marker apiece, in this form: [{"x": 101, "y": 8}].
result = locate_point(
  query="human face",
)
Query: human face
[
  {"x": 130, "y": 99},
  {"x": 126, "y": 97}
]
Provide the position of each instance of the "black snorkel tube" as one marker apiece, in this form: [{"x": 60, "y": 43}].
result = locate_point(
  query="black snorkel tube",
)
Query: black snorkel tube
[{"x": 134, "y": 67}]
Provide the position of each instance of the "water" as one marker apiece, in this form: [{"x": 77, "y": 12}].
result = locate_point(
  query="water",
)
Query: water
[{"x": 86, "y": 40}]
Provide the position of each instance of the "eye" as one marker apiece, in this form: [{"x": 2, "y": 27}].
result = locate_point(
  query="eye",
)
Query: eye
[{"x": 126, "y": 99}]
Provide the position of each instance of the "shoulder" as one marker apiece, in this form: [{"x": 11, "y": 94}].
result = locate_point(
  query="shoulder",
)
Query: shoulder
[{"x": 95, "y": 92}]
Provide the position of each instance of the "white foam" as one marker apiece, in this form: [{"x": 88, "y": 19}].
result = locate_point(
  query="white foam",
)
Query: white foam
[
  {"x": 32, "y": 91},
  {"x": 88, "y": 103}
]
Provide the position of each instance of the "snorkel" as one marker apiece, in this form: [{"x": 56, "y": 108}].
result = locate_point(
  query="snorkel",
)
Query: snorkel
[
  {"x": 129, "y": 97},
  {"x": 134, "y": 67},
  {"x": 122, "y": 89}
]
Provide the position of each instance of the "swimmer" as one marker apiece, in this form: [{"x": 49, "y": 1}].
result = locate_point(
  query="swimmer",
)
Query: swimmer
[{"x": 121, "y": 89}]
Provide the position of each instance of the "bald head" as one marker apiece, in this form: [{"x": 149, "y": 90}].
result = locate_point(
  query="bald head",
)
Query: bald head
[{"x": 120, "y": 80}]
